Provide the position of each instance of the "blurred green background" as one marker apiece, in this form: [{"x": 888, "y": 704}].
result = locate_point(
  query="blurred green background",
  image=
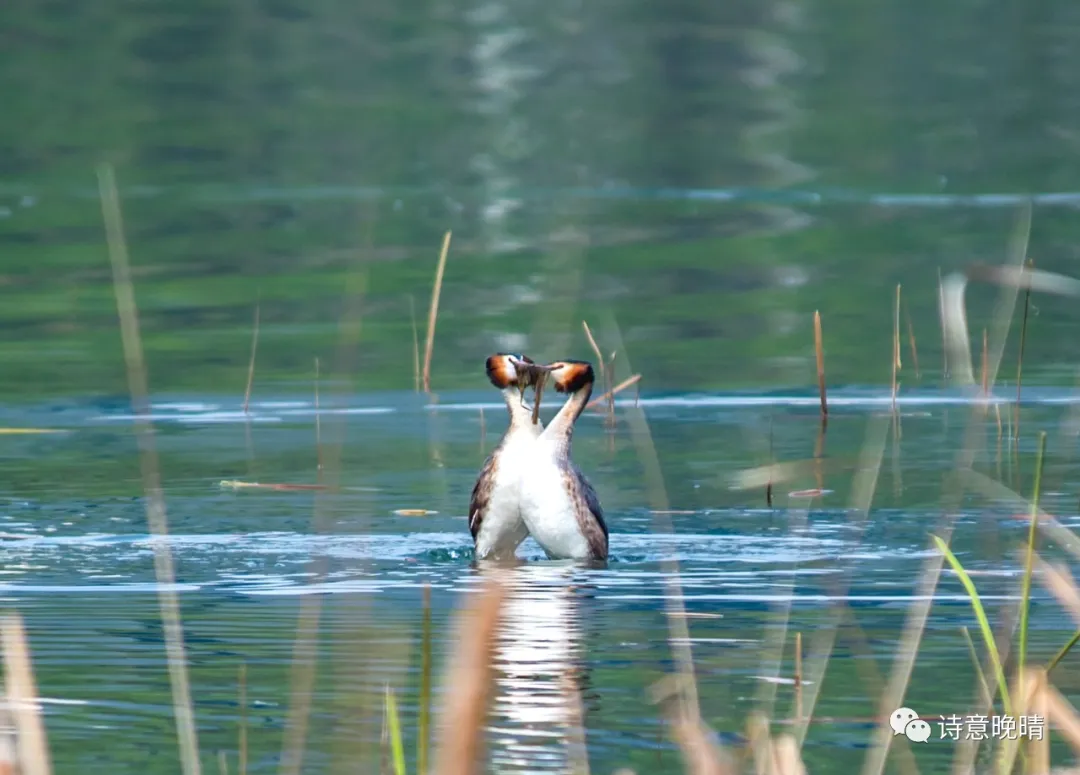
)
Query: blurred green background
[
  {"x": 704, "y": 174},
  {"x": 695, "y": 178}
]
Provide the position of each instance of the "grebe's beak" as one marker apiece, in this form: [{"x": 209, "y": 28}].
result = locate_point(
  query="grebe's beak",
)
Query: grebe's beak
[{"x": 531, "y": 374}]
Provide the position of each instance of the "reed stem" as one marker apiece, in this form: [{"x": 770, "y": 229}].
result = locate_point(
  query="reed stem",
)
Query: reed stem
[
  {"x": 251, "y": 363},
  {"x": 1020, "y": 360},
  {"x": 433, "y": 312},
  {"x": 242, "y": 733},
  {"x": 820, "y": 353},
  {"x": 911, "y": 342},
  {"x": 423, "y": 724},
  {"x": 896, "y": 345},
  {"x": 1025, "y": 589},
  {"x": 127, "y": 312},
  {"x": 415, "y": 345}
]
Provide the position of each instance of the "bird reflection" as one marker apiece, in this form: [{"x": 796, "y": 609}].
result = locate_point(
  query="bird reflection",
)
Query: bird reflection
[{"x": 541, "y": 683}]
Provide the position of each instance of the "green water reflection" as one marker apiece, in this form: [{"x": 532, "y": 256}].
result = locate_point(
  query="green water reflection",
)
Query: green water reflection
[{"x": 694, "y": 179}]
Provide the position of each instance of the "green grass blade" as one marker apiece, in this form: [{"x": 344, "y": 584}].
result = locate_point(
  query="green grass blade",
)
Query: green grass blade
[
  {"x": 397, "y": 745},
  {"x": 423, "y": 731},
  {"x": 989, "y": 696},
  {"x": 980, "y": 615},
  {"x": 1025, "y": 588},
  {"x": 1064, "y": 650}
]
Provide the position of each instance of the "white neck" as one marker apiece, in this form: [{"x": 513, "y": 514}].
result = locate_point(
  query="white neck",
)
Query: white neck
[
  {"x": 561, "y": 427},
  {"x": 520, "y": 416}
]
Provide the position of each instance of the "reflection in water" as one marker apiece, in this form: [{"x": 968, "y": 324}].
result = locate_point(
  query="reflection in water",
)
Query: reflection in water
[{"x": 539, "y": 674}]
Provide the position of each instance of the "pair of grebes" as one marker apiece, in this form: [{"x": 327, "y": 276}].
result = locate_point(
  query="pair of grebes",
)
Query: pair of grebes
[{"x": 529, "y": 485}]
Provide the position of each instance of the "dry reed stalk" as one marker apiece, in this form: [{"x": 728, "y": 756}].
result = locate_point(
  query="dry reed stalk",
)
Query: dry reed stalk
[
  {"x": 1057, "y": 580},
  {"x": 423, "y": 722},
  {"x": 595, "y": 348},
  {"x": 898, "y": 482},
  {"x": 798, "y": 676},
  {"x": 384, "y": 741},
  {"x": 819, "y": 352},
  {"x": 223, "y": 763},
  {"x": 944, "y": 334},
  {"x": 903, "y": 662},
  {"x": 896, "y": 345},
  {"x": 127, "y": 311},
  {"x": 778, "y": 473},
  {"x": 955, "y": 315},
  {"x": 415, "y": 345},
  {"x": 775, "y": 640},
  {"x": 1038, "y": 759},
  {"x": 1024, "y": 689},
  {"x": 700, "y": 755},
  {"x": 609, "y": 397},
  {"x": 578, "y": 752},
  {"x": 866, "y": 667},
  {"x": 609, "y": 393},
  {"x": 302, "y": 682},
  {"x": 305, "y": 643},
  {"x": 483, "y": 432},
  {"x": 433, "y": 311},
  {"x": 30, "y": 741},
  {"x": 985, "y": 356},
  {"x": 242, "y": 732},
  {"x": 819, "y": 452},
  {"x": 760, "y": 743},
  {"x": 468, "y": 683},
  {"x": 1061, "y": 714},
  {"x": 772, "y": 461},
  {"x": 862, "y": 494},
  {"x": 1020, "y": 360},
  {"x": 9, "y": 757},
  {"x": 318, "y": 426},
  {"x": 674, "y": 603},
  {"x": 996, "y": 491},
  {"x": 786, "y": 757},
  {"x": 911, "y": 342},
  {"x": 251, "y": 362}
]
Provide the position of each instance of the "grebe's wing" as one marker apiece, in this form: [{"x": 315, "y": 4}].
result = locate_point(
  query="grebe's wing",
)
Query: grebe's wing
[
  {"x": 590, "y": 514},
  {"x": 481, "y": 494}
]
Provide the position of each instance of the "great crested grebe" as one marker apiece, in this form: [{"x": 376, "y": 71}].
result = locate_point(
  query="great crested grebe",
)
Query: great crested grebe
[
  {"x": 494, "y": 508},
  {"x": 560, "y": 508}
]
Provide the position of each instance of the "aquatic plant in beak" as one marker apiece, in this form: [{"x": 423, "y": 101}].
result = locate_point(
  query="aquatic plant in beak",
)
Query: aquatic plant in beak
[{"x": 531, "y": 375}]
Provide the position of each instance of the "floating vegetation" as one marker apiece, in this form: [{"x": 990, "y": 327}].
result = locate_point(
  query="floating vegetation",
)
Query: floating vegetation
[
  {"x": 610, "y": 395},
  {"x": 235, "y": 484}
]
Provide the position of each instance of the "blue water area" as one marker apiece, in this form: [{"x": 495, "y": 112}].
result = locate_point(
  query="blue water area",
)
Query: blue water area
[{"x": 257, "y": 568}]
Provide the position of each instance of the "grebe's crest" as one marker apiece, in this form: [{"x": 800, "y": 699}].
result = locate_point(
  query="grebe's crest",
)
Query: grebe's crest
[
  {"x": 571, "y": 376},
  {"x": 502, "y": 371}
]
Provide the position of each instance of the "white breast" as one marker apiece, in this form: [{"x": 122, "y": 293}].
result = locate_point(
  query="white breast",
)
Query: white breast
[
  {"x": 547, "y": 509},
  {"x": 502, "y": 529}
]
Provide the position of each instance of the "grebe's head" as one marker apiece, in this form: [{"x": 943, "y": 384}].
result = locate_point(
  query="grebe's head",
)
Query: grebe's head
[
  {"x": 570, "y": 376},
  {"x": 510, "y": 370}
]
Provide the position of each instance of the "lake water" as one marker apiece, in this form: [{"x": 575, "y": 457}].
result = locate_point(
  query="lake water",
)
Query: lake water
[
  {"x": 693, "y": 179},
  {"x": 78, "y": 564}
]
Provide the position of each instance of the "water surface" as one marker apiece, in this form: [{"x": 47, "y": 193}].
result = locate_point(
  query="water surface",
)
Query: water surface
[{"x": 78, "y": 562}]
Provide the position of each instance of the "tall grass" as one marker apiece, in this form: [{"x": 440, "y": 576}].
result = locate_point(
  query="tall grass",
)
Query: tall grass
[{"x": 127, "y": 311}]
